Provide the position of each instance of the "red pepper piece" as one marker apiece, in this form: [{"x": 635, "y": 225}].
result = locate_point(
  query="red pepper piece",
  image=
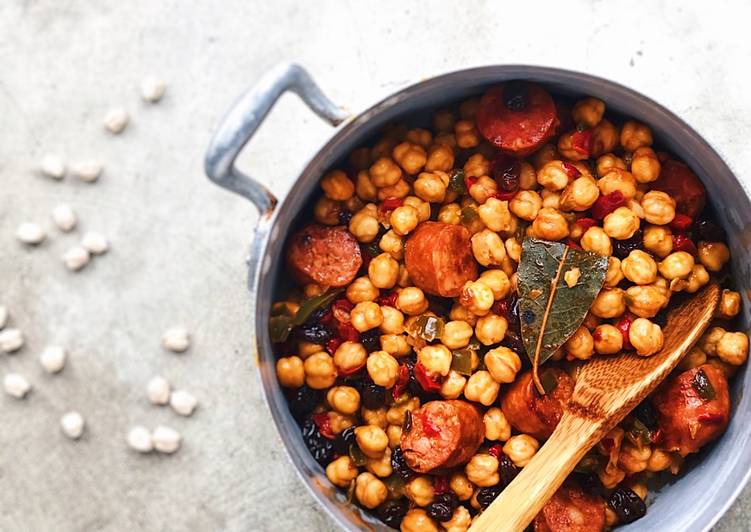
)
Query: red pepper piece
[
  {"x": 656, "y": 436},
  {"x": 401, "y": 381},
  {"x": 323, "y": 423},
  {"x": 607, "y": 204},
  {"x": 366, "y": 258},
  {"x": 501, "y": 308},
  {"x": 581, "y": 141},
  {"x": 505, "y": 196},
  {"x": 389, "y": 204},
  {"x": 431, "y": 430},
  {"x": 496, "y": 450},
  {"x": 571, "y": 171},
  {"x": 624, "y": 325},
  {"x": 333, "y": 344},
  {"x": 441, "y": 484},
  {"x": 684, "y": 243},
  {"x": 585, "y": 223},
  {"x": 341, "y": 309},
  {"x": 388, "y": 300},
  {"x": 347, "y": 333},
  {"x": 681, "y": 222},
  {"x": 469, "y": 181},
  {"x": 425, "y": 380},
  {"x": 573, "y": 244}
]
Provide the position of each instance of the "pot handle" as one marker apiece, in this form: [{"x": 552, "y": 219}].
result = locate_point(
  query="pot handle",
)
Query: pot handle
[{"x": 246, "y": 115}]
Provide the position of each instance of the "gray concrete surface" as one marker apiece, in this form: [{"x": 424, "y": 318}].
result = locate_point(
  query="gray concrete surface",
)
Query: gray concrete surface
[{"x": 178, "y": 243}]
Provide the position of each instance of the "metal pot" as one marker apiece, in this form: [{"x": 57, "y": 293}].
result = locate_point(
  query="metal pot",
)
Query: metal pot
[{"x": 693, "y": 502}]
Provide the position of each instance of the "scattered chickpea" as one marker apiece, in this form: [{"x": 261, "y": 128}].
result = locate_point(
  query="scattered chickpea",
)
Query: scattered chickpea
[
  {"x": 526, "y": 204},
  {"x": 320, "y": 372},
  {"x": 659, "y": 208},
  {"x": 348, "y": 357},
  {"x": 385, "y": 172},
  {"x": 477, "y": 165},
  {"x": 393, "y": 320},
  {"x": 639, "y": 267},
  {"x": 395, "y": 344},
  {"x": 633, "y": 459},
  {"x": 659, "y": 460},
  {"x": 645, "y": 166},
  {"x": 460, "y": 520},
  {"x": 488, "y": 248},
  {"x": 412, "y": 301},
  {"x": 713, "y": 255},
  {"x": 337, "y": 186},
  {"x": 604, "y": 138},
  {"x": 364, "y": 187},
  {"x": 635, "y": 135},
  {"x": 453, "y": 385},
  {"x": 596, "y": 240},
  {"x": 482, "y": 388},
  {"x": 369, "y": 490},
  {"x": 456, "y": 334},
  {"x": 435, "y": 358},
  {"x": 550, "y": 224},
  {"x": 416, "y": 520},
  {"x": 730, "y": 304},
  {"x": 450, "y": 214},
  {"x": 383, "y": 271},
  {"x": 482, "y": 470},
  {"x": 693, "y": 359},
  {"x": 361, "y": 290},
  {"x": 497, "y": 281},
  {"x": 617, "y": 180},
  {"x": 410, "y": 156},
  {"x": 364, "y": 226},
  {"x": 290, "y": 372},
  {"x": 646, "y": 301},
  {"x": 383, "y": 369},
  {"x": 326, "y": 211},
  {"x": 580, "y": 345},
  {"x": 608, "y": 161},
  {"x": 440, "y": 158},
  {"x": 461, "y": 485},
  {"x": 372, "y": 440},
  {"x": 621, "y": 224},
  {"x": 503, "y": 364},
  {"x": 497, "y": 427},
  {"x": 609, "y": 303},
  {"x": 608, "y": 340},
  {"x": 476, "y": 297},
  {"x": 553, "y": 176},
  {"x": 466, "y": 134},
  {"x": 588, "y": 111},
  {"x": 343, "y": 399},
  {"x": 420, "y": 490},
  {"x": 677, "y": 265},
  {"x": 341, "y": 471},
  {"x": 521, "y": 448},
  {"x": 658, "y": 240},
  {"x": 366, "y": 315},
  {"x": 483, "y": 189},
  {"x": 580, "y": 194},
  {"x": 496, "y": 216},
  {"x": 645, "y": 336},
  {"x": 732, "y": 348}
]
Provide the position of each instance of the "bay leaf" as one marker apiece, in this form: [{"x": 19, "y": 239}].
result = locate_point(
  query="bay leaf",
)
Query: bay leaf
[{"x": 549, "y": 309}]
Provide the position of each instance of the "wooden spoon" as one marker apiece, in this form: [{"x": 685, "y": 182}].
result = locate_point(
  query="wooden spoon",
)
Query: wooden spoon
[{"x": 606, "y": 390}]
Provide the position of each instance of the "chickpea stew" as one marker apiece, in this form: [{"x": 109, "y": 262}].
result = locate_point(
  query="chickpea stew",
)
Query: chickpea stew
[{"x": 401, "y": 347}]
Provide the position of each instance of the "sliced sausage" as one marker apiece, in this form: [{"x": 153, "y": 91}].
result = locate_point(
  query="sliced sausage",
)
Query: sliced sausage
[
  {"x": 517, "y": 117},
  {"x": 683, "y": 186},
  {"x": 571, "y": 509},
  {"x": 443, "y": 434},
  {"x": 532, "y": 413},
  {"x": 327, "y": 256},
  {"x": 689, "y": 419},
  {"x": 439, "y": 258}
]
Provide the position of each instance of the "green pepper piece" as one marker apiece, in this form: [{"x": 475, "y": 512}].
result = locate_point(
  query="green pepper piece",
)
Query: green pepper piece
[
  {"x": 428, "y": 328},
  {"x": 310, "y": 305},
  {"x": 456, "y": 181},
  {"x": 279, "y": 328},
  {"x": 357, "y": 456},
  {"x": 469, "y": 215},
  {"x": 638, "y": 432},
  {"x": 548, "y": 380},
  {"x": 395, "y": 486},
  {"x": 461, "y": 361},
  {"x": 591, "y": 463}
]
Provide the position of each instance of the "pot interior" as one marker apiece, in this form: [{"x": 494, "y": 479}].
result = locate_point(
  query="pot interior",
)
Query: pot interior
[{"x": 709, "y": 483}]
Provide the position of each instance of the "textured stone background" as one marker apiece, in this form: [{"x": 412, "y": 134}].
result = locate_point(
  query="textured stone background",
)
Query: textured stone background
[{"x": 178, "y": 243}]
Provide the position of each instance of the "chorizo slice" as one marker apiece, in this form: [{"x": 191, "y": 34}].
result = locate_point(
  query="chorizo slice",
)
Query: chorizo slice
[
  {"x": 532, "y": 413},
  {"x": 571, "y": 509},
  {"x": 439, "y": 258},
  {"x": 443, "y": 434},
  {"x": 680, "y": 183},
  {"x": 327, "y": 256},
  {"x": 691, "y": 413},
  {"x": 517, "y": 117}
]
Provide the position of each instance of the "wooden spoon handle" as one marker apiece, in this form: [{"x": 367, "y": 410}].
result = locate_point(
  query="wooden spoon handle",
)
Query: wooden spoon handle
[{"x": 521, "y": 501}]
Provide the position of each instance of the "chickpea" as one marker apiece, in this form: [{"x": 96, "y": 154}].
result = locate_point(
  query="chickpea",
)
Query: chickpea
[
  {"x": 392, "y": 244},
  {"x": 698, "y": 277},
  {"x": 482, "y": 470},
  {"x": 491, "y": 329},
  {"x": 440, "y": 157},
  {"x": 639, "y": 267},
  {"x": 708, "y": 342},
  {"x": 567, "y": 149},
  {"x": 677, "y": 265},
  {"x": 544, "y": 155},
  {"x": 366, "y": 315},
  {"x": 610, "y": 478},
  {"x": 497, "y": 426},
  {"x": 553, "y": 176},
  {"x": 482, "y": 388},
  {"x": 476, "y": 297},
  {"x": 460, "y": 520},
  {"x": 435, "y": 358},
  {"x": 326, "y": 211},
  {"x": 488, "y": 248},
  {"x": 383, "y": 271},
  {"x": 550, "y": 225},
  {"x": 385, "y": 172},
  {"x": 404, "y": 219},
  {"x": 372, "y": 440},
  {"x": 713, "y": 255},
  {"x": 361, "y": 290},
  {"x": 604, "y": 138},
  {"x": 477, "y": 165},
  {"x": 397, "y": 413},
  {"x": 521, "y": 448},
  {"x": 340, "y": 422},
  {"x": 460, "y": 484},
  {"x": 380, "y": 467},
  {"x": 320, "y": 372},
  {"x": 393, "y": 320},
  {"x": 659, "y": 208},
  {"x": 343, "y": 399},
  {"x": 466, "y": 134},
  {"x": 645, "y": 165},
  {"x": 614, "y": 274},
  {"x": 431, "y": 186},
  {"x": 383, "y": 369},
  {"x": 580, "y": 345},
  {"x": 446, "y": 139},
  {"x": 580, "y": 194},
  {"x": 369, "y": 490},
  {"x": 632, "y": 459},
  {"x": 337, "y": 186},
  {"x": 617, "y": 180},
  {"x": 402, "y": 189},
  {"x": 527, "y": 176},
  {"x": 453, "y": 385},
  {"x": 410, "y": 156},
  {"x": 395, "y": 344},
  {"x": 645, "y": 301},
  {"x": 596, "y": 240},
  {"x": 497, "y": 281},
  {"x": 513, "y": 249},
  {"x": 364, "y": 187},
  {"x": 659, "y": 460},
  {"x": 483, "y": 188},
  {"x": 551, "y": 200},
  {"x": 444, "y": 120},
  {"x": 350, "y": 356},
  {"x": 590, "y": 321},
  {"x": 419, "y": 136},
  {"x": 312, "y": 290},
  {"x": 621, "y": 224},
  {"x": 460, "y": 313},
  {"x": 635, "y": 135},
  {"x": 730, "y": 304},
  {"x": 290, "y": 372},
  {"x": 412, "y": 301},
  {"x": 394, "y": 432},
  {"x": 732, "y": 348},
  {"x": 693, "y": 359},
  {"x": 420, "y": 490},
  {"x": 364, "y": 226},
  {"x": 588, "y": 111},
  {"x": 495, "y": 214},
  {"x": 526, "y": 204},
  {"x": 608, "y": 161},
  {"x": 456, "y": 334},
  {"x": 305, "y": 349},
  {"x": 658, "y": 240},
  {"x": 609, "y": 303},
  {"x": 341, "y": 472},
  {"x": 422, "y": 207},
  {"x": 468, "y": 109},
  {"x": 450, "y": 214},
  {"x": 645, "y": 336},
  {"x": 416, "y": 520},
  {"x": 608, "y": 340},
  {"x": 384, "y": 147},
  {"x": 503, "y": 364}
]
